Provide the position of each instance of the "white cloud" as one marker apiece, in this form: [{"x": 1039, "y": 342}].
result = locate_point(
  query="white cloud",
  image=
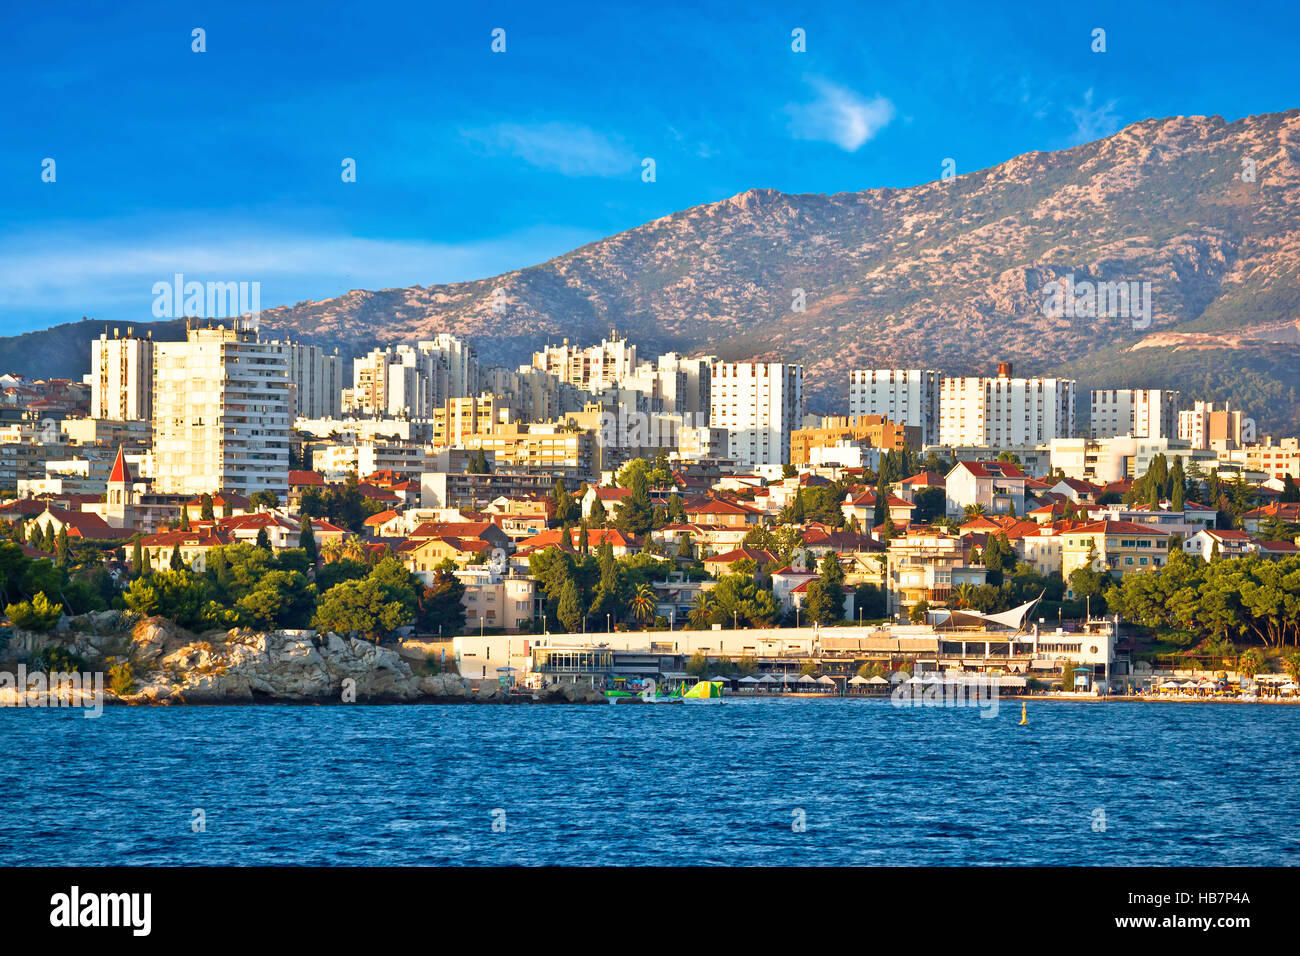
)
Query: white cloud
[
  {"x": 56, "y": 273},
  {"x": 566, "y": 148},
  {"x": 1093, "y": 122},
  {"x": 839, "y": 115}
]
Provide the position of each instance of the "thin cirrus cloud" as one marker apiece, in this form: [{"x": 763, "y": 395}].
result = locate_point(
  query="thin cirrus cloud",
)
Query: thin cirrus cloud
[
  {"x": 569, "y": 149},
  {"x": 53, "y": 273},
  {"x": 1092, "y": 121},
  {"x": 839, "y": 115}
]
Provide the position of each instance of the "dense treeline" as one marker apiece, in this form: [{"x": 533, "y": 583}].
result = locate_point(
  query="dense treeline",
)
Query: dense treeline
[{"x": 1248, "y": 599}]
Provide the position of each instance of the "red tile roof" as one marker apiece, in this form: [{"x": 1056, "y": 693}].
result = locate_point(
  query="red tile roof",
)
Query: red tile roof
[{"x": 992, "y": 469}]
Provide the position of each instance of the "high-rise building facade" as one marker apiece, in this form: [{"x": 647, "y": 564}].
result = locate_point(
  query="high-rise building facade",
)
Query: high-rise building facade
[
  {"x": 904, "y": 396},
  {"x": 1005, "y": 411},
  {"x": 121, "y": 377},
  {"x": 413, "y": 381},
  {"x": 595, "y": 368},
  {"x": 317, "y": 380},
  {"x": 759, "y": 405},
  {"x": 221, "y": 413},
  {"x": 1207, "y": 425},
  {"x": 1134, "y": 412}
]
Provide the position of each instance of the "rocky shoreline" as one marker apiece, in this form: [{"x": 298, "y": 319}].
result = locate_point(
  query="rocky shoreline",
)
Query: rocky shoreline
[{"x": 172, "y": 666}]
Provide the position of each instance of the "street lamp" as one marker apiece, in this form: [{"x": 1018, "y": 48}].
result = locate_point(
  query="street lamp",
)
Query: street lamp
[{"x": 607, "y": 627}]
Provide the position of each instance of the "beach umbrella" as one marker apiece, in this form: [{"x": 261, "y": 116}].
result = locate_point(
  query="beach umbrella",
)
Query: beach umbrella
[
  {"x": 807, "y": 679},
  {"x": 859, "y": 680},
  {"x": 767, "y": 679},
  {"x": 748, "y": 680},
  {"x": 878, "y": 680},
  {"x": 826, "y": 679},
  {"x": 716, "y": 678},
  {"x": 1188, "y": 685}
]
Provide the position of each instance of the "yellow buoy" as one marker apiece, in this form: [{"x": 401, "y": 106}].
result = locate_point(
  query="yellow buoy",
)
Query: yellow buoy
[{"x": 1024, "y": 717}]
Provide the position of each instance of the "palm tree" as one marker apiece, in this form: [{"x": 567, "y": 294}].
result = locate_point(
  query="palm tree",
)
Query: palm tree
[
  {"x": 702, "y": 609},
  {"x": 1250, "y": 663},
  {"x": 963, "y": 594},
  {"x": 331, "y": 549},
  {"x": 1291, "y": 664},
  {"x": 974, "y": 511},
  {"x": 644, "y": 604}
]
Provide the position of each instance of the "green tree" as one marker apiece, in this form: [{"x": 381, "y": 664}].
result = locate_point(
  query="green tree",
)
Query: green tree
[
  {"x": 644, "y": 604},
  {"x": 635, "y": 512},
  {"x": 205, "y": 508},
  {"x": 565, "y": 508},
  {"x": 307, "y": 540},
  {"x": 268, "y": 499},
  {"x": 37, "y": 614},
  {"x": 569, "y": 611},
  {"x": 363, "y": 607},
  {"x": 442, "y": 607}
]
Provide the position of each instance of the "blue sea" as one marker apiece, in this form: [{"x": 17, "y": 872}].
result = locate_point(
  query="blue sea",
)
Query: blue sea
[{"x": 741, "y": 782}]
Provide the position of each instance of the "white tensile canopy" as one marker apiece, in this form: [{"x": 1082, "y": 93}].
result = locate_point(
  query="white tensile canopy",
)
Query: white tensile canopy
[{"x": 1014, "y": 618}]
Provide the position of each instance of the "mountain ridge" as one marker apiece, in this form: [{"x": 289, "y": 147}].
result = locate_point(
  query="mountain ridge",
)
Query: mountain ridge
[{"x": 947, "y": 274}]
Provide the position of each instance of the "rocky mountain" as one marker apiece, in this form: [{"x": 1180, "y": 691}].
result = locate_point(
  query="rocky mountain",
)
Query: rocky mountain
[{"x": 1197, "y": 216}]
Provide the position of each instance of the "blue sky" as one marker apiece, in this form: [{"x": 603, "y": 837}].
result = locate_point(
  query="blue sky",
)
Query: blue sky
[{"x": 225, "y": 165}]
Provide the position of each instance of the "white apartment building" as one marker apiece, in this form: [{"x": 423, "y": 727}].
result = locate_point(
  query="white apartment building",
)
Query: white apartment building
[
  {"x": 595, "y": 368},
  {"x": 1005, "y": 411},
  {"x": 221, "y": 413},
  {"x": 685, "y": 385},
  {"x": 904, "y": 396},
  {"x": 317, "y": 380},
  {"x": 121, "y": 377},
  {"x": 1221, "y": 428},
  {"x": 412, "y": 381},
  {"x": 1113, "y": 459},
  {"x": 457, "y": 361},
  {"x": 759, "y": 405},
  {"x": 1134, "y": 413}
]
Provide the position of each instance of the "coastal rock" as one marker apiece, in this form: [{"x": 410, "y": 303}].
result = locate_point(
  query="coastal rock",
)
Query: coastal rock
[
  {"x": 443, "y": 685},
  {"x": 149, "y": 640}
]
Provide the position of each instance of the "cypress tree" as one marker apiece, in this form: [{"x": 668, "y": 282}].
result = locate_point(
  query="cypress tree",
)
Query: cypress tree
[
  {"x": 137, "y": 559},
  {"x": 176, "y": 563},
  {"x": 1177, "y": 485},
  {"x": 307, "y": 540}
]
